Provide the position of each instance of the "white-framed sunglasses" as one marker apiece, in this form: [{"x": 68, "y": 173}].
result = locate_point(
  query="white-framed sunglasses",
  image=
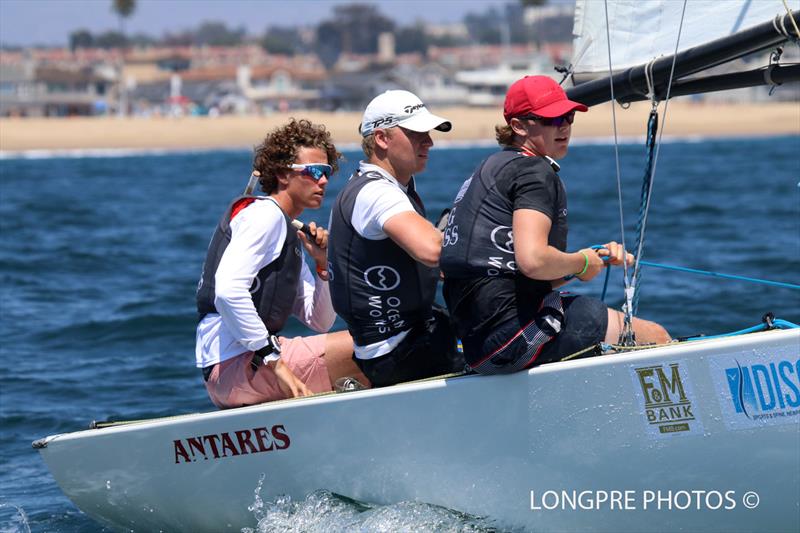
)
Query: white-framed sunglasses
[{"x": 314, "y": 170}]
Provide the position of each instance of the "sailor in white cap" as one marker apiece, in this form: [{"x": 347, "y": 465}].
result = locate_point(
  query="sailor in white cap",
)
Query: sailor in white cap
[{"x": 384, "y": 253}]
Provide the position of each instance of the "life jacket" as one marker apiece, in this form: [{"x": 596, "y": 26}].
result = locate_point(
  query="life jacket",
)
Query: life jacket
[
  {"x": 483, "y": 286},
  {"x": 275, "y": 286},
  {"x": 376, "y": 287}
]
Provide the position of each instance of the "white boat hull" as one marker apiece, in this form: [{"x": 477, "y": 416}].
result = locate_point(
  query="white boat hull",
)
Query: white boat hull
[{"x": 504, "y": 446}]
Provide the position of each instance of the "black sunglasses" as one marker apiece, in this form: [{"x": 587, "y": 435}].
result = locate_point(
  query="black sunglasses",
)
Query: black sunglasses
[{"x": 569, "y": 118}]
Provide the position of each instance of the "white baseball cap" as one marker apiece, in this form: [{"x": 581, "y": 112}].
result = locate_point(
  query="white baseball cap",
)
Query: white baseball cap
[{"x": 400, "y": 108}]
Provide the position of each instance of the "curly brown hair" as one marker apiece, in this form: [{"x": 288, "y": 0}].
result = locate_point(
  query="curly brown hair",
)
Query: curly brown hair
[{"x": 278, "y": 150}]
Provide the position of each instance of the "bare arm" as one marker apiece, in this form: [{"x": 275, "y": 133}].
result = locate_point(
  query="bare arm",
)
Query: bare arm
[
  {"x": 536, "y": 259},
  {"x": 416, "y": 236}
]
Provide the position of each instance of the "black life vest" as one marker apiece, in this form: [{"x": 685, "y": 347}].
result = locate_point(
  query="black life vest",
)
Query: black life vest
[
  {"x": 376, "y": 287},
  {"x": 483, "y": 285},
  {"x": 478, "y": 239},
  {"x": 274, "y": 288}
]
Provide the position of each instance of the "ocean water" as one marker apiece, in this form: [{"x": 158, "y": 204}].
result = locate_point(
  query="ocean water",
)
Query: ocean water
[{"x": 100, "y": 256}]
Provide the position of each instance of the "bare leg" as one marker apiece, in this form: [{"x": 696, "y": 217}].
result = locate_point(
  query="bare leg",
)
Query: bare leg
[
  {"x": 339, "y": 358},
  {"x": 646, "y": 332}
]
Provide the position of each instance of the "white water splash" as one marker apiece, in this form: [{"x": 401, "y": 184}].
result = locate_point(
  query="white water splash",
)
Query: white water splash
[
  {"x": 324, "y": 511},
  {"x": 17, "y": 519}
]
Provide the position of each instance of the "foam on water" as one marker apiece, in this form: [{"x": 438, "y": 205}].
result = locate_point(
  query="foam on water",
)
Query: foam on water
[
  {"x": 326, "y": 512},
  {"x": 13, "y": 519}
]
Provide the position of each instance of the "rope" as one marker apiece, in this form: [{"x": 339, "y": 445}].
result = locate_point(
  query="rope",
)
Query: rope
[
  {"x": 791, "y": 17},
  {"x": 775, "y": 324},
  {"x": 627, "y": 328},
  {"x": 647, "y": 180},
  {"x": 726, "y": 276},
  {"x": 585, "y": 350},
  {"x": 648, "y": 76}
]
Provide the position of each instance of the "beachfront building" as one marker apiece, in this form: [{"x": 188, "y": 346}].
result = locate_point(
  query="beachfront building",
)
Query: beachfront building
[
  {"x": 51, "y": 91},
  {"x": 221, "y": 80}
]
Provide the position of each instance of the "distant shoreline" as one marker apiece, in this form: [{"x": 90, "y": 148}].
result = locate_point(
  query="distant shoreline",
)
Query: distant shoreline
[{"x": 471, "y": 127}]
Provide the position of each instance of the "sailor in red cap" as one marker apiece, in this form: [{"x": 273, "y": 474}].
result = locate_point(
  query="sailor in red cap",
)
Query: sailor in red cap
[{"x": 504, "y": 253}]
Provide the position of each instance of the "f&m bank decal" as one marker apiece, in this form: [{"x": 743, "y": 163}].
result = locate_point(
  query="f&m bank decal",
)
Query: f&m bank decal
[
  {"x": 758, "y": 388},
  {"x": 666, "y": 399}
]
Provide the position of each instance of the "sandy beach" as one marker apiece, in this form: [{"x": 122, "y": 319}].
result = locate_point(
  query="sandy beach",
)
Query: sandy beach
[{"x": 469, "y": 124}]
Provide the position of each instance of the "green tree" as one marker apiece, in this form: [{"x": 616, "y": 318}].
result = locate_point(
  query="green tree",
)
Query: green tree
[
  {"x": 81, "y": 38},
  {"x": 354, "y": 28},
  {"x": 411, "y": 39},
  {"x": 215, "y": 33},
  {"x": 123, "y": 9},
  {"x": 110, "y": 39},
  {"x": 282, "y": 40}
]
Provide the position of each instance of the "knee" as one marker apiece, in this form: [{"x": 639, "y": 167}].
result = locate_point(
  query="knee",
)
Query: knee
[
  {"x": 650, "y": 332},
  {"x": 660, "y": 334}
]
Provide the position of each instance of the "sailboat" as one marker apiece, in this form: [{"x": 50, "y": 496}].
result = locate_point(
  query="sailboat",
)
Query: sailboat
[{"x": 695, "y": 435}]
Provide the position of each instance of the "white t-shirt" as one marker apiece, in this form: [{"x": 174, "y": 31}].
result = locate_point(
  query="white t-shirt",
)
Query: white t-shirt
[
  {"x": 377, "y": 202},
  {"x": 258, "y": 233}
]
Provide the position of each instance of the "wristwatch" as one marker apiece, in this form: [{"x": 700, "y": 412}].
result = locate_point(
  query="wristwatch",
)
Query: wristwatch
[{"x": 272, "y": 346}]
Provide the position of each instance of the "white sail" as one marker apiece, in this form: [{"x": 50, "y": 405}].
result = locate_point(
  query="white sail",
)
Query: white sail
[{"x": 642, "y": 30}]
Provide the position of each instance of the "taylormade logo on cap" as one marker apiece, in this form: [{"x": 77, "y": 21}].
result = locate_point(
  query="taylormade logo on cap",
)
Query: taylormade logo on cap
[{"x": 400, "y": 108}]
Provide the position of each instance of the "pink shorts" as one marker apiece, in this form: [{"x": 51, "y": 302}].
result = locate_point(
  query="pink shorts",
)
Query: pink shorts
[{"x": 234, "y": 383}]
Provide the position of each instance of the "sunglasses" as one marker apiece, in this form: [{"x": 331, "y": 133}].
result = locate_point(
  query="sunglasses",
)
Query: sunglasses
[
  {"x": 569, "y": 118},
  {"x": 314, "y": 170}
]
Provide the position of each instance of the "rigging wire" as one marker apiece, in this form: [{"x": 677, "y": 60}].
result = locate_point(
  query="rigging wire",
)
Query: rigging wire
[{"x": 627, "y": 329}]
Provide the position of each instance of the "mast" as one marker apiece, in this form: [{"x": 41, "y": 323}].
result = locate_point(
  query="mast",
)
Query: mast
[{"x": 631, "y": 84}]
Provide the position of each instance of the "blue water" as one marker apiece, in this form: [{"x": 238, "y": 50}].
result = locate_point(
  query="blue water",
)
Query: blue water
[{"x": 100, "y": 256}]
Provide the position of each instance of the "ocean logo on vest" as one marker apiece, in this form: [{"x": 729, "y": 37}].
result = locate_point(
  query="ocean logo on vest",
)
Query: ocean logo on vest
[
  {"x": 758, "y": 389},
  {"x": 382, "y": 277},
  {"x": 503, "y": 239},
  {"x": 666, "y": 399}
]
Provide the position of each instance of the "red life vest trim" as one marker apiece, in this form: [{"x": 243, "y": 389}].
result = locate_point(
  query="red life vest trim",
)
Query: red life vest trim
[{"x": 241, "y": 204}]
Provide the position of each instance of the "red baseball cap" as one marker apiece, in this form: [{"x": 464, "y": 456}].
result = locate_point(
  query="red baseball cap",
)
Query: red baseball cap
[{"x": 540, "y": 96}]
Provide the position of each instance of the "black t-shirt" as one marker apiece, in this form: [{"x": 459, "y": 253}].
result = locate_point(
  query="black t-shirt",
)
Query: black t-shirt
[{"x": 480, "y": 303}]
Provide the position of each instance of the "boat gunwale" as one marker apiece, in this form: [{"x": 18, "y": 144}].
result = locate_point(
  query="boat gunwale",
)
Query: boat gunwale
[{"x": 660, "y": 351}]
